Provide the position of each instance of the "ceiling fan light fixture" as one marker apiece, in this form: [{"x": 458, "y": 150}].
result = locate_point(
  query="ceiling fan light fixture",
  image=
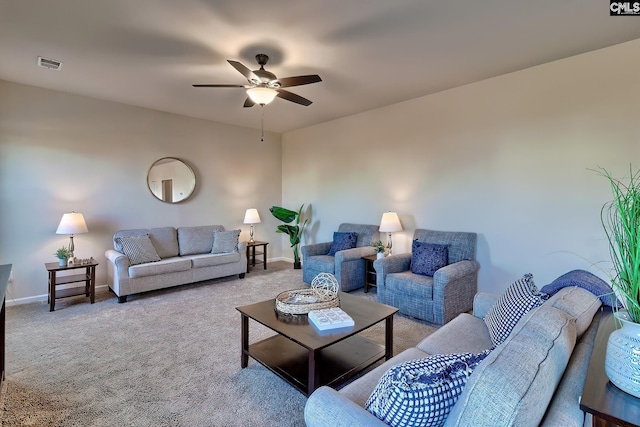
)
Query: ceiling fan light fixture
[{"x": 262, "y": 95}]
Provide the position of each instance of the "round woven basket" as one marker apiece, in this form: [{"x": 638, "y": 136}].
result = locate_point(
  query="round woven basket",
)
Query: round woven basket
[{"x": 304, "y": 308}]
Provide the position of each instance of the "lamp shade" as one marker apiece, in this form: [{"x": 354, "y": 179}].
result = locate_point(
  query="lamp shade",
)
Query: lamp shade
[
  {"x": 251, "y": 216},
  {"x": 261, "y": 95},
  {"x": 390, "y": 223},
  {"x": 72, "y": 223}
]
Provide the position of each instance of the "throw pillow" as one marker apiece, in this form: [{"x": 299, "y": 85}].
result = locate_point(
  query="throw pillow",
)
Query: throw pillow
[
  {"x": 422, "y": 392},
  {"x": 519, "y": 298},
  {"x": 427, "y": 258},
  {"x": 225, "y": 241},
  {"x": 342, "y": 241},
  {"x": 138, "y": 249}
]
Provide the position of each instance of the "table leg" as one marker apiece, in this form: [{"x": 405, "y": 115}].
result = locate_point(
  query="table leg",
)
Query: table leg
[
  {"x": 92, "y": 290},
  {"x": 388, "y": 338},
  {"x": 253, "y": 256},
  {"x": 313, "y": 379},
  {"x": 52, "y": 290},
  {"x": 264, "y": 257},
  {"x": 244, "y": 355}
]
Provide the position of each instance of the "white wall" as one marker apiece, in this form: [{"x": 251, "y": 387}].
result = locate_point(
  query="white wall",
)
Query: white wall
[
  {"x": 61, "y": 152},
  {"x": 508, "y": 158}
]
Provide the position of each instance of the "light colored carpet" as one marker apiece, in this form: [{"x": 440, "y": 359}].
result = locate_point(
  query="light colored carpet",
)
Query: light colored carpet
[{"x": 164, "y": 358}]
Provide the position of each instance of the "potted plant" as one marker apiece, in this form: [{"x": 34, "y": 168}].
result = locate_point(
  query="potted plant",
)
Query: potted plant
[
  {"x": 293, "y": 231},
  {"x": 621, "y": 221},
  {"x": 63, "y": 255},
  {"x": 379, "y": 248}
]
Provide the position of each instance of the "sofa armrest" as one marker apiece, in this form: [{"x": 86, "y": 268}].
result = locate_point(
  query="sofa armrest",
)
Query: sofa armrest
[
  {"x": 316, "y": 249},
  {"x": 454, "y": 287},
  {"x": 328, "y": 408},
  {"x": 482, "y": 302},
  {"x": 353, "y": 254},
  {"x": 387, "y": 265},
  {"x": 120, "y": 262}
]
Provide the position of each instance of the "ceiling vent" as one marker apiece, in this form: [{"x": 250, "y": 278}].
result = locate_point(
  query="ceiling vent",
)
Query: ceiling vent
[{"x": 51, "y": 64}]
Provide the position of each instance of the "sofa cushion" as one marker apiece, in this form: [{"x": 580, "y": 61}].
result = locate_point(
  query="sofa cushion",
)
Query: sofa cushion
[
  {"x": 515, "y": 302},
  {"x": 366, "y": 233},
  {"x": 167, "y": 265},
  {"x": 427, "y": 258},
  {"x": 225, "y": 241},
  {"x": 417, "y": 286},
  {"x": 197, "y": 240},
  {"x": 579, "y": 303},
  {"x": 138, "y": 249},
  {"x": 208, "y": 260},
  {"x": 465, "y": 333},
  {"x": 515, "y": 383},
  {"x": 422, "y": 392},
  {"x": 164, "y": 239},
  {"x": 342, "y": 241}
]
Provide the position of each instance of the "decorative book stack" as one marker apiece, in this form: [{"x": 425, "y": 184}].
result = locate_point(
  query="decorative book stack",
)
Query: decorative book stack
[{"x": 330, "y": 318}]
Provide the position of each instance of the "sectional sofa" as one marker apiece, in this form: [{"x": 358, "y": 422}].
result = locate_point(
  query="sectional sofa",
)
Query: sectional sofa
[
  {"x": 535, "y": 377},
  {"x": 148, "y": 259}
]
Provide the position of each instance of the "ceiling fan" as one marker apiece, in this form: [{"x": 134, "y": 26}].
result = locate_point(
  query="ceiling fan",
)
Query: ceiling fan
[{"x": 264, "y": 86}]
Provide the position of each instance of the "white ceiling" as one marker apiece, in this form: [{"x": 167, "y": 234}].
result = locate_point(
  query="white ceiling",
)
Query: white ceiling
[{"x": 369, "y": 53}]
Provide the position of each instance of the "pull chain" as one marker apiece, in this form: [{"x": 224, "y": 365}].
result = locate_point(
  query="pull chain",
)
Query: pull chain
[{"x": 262, "y": 122}]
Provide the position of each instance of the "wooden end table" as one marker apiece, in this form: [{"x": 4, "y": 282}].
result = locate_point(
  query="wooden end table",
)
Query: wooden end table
[
  {"x": 88, "y": 277},
  {"x": 608, "y": 405},
  {"x": 251, "y": 254},
  {"x": 369, "y": 272}
]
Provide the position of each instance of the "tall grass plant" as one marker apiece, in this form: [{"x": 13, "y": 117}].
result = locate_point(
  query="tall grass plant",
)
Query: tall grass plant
[{"x": 621, "y": 221}]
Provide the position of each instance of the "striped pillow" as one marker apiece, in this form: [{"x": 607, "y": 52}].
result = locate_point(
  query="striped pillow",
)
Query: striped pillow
[
  {"x": 519, "y": 298},
  {"x": 138, "y": 249}
]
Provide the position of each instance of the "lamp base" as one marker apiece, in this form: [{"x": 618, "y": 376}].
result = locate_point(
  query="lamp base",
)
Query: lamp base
[{"x": 389, "y": 242}]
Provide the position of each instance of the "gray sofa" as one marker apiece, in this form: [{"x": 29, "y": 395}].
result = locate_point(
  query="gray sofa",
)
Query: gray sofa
[
  {"x": 185, "y": 257},
  {"x": 535, "y": 377}
]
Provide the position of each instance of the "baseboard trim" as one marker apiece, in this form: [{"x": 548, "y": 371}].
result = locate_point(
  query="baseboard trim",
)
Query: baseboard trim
[{"x": 37, "y": 298}]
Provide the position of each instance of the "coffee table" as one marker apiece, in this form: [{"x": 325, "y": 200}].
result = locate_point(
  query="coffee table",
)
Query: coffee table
[{"x": 307, "y": 358}]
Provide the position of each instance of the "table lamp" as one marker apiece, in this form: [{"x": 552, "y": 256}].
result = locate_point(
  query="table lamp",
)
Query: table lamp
[
  {"x": 251, "y": 217},
  {"x": 390, "y": 223},
  {"x": 72, "y": 223}
]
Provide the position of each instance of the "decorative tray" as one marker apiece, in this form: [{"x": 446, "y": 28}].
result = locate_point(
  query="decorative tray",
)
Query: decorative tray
[{"x": 322, "y": 294}]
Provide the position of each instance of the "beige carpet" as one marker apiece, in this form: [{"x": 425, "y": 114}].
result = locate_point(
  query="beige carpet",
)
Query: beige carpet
[{"x": 165, "y": 358}]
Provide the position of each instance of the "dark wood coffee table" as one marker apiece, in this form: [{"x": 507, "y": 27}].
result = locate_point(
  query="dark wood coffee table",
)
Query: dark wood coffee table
[{"x": 308, "y": 359}]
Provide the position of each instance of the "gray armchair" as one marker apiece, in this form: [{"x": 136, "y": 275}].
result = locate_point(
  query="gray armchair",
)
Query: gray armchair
[
  {"x": 346, "y": 265},
  {"x": 436, "y": 299}
]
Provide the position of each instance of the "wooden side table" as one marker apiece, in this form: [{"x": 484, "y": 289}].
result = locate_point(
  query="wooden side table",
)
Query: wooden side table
[
  {"x": 88, "y": 277},
  {"x": 369, "y": 272},
  {"x": 608, "y": 405},
  {"x": 251, "y": 254}
]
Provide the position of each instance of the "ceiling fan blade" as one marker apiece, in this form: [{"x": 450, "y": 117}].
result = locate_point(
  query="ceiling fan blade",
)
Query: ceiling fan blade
[
  {"x": 248, "y": 103},
  {"x": 213, "y": 85},
  {"x": 290, "y": 96},
  {"x": 299, "y": 80},
  {"x": 244, "y": 71}
]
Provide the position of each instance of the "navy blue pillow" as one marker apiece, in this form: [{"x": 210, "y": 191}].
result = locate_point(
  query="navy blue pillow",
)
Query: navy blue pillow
[
  {"x": 427, "y": 258},
  {"x": 342, "y": 241}
]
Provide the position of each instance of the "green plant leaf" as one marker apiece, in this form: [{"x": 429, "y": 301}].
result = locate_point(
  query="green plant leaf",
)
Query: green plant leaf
[{"x": 283, "y": 214}]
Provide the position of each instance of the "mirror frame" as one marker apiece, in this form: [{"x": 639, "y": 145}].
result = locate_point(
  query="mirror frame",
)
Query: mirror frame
[{"x": 191, "y": 186}]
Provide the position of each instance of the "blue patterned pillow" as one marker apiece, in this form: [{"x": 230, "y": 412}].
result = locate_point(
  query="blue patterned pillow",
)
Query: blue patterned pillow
[
  {"x": 422, "y": 392},
  {"x": 516, "y": 301},
  {"x": 342, "y": 241},
  {"x": 427, "y": 258}
]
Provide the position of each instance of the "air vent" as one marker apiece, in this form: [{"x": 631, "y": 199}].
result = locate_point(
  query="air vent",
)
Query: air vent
[{"x": 51, "y": 64}]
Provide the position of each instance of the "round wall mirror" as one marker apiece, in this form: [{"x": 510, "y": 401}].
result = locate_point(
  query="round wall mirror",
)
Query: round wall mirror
[{"x": 171, "y": 180}]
